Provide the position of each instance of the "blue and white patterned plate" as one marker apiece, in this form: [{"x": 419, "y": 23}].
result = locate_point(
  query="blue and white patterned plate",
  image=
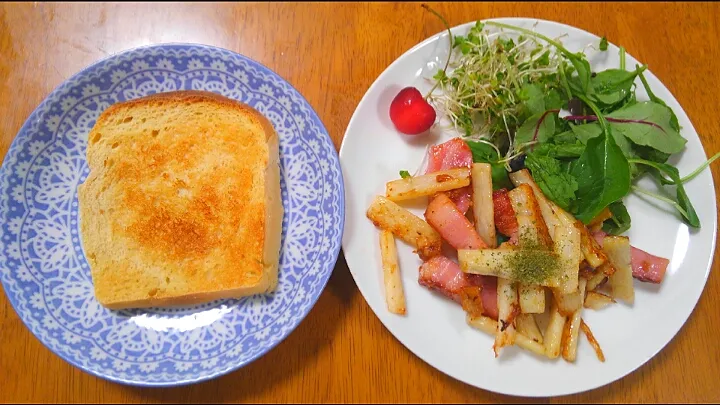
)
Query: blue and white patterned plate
[{"x": 42, "y": 266}]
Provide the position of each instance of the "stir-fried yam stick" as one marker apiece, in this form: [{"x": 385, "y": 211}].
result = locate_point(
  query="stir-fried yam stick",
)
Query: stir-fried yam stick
[
  {"x": 551, "y": 221},
  {"x": 489, "y": 326},
  {"x": 596, "y": 223},
  {"x": 595, "y": 300},
  {"x": 508, "y": 310},
  {"x": 621, "y": 282},
  {"x": 567, "y": 246},
  {"x": 593, "y": 342},
  {"x": 555, "y": 216},
  {"x": 533, "y": 234},
  {"x": 428, "y": 184},
  {"x": 597, "y": 280},
  {"x": 572, "y": 329},
  {"x": 531, "y": 298},
  {"x": 389, "y": 216},
  {"x": 483, "y": 210},
  {"x": 394, "y": 294},
  {"x": 568, "y": 303},
  {"x": 527, "y": 326},
  {"x": 511, "y": 264},
  {"x": 592, "y": 252},
  {"x": 554, "y": 332}
]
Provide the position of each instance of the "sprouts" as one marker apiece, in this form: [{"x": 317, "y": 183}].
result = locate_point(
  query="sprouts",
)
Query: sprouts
[{"x": 485, "y": 92}]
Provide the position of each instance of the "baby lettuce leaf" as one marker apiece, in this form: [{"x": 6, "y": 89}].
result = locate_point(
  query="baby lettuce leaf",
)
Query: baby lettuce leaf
[
  {"x": 539, "y": 127},
  {"x": 556, "y": 184},
  {"x": 484, "y": 153},
  {"x": 648, "y": 123},
  {"x": 620, "y": 220},
  {"x": 603, "y": 176}
]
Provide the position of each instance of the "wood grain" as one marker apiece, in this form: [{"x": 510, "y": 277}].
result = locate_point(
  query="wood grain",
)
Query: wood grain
[{"x": 332, "y": 53}]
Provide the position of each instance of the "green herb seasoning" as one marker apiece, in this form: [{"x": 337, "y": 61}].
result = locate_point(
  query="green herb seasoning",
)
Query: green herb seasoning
[{"x": 533, "y": 266}]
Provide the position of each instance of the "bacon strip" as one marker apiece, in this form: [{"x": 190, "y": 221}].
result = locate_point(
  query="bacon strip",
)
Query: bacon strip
[
  {"x": 444, "y": 276},
  {"x": 452, "y": 224},
  {"x": 505, "y": 220},
  {"x": 452, "y": 154}
]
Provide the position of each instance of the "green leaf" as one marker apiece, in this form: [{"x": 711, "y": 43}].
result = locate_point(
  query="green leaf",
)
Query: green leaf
[
  {"x": 404, "y": 174},
  {"x": 585, "y": 132},
  {"x": 687, "y": 210},
  {"x": 533, "y": 97},
  {"x": 655, "y": 130},
  {"x": 603, "y": 176},
  {"x": 565, "y": 137},
  {"x": 542, "y": 123},
  {"x": 603, "y": 44},
  {"x": 440, "y": 76},
  {"x": 556, "y": 184},
  {"x": 582, "y": 67},
  {"x": 673, "y": 118},
  {"x": 620, "y": 221},
  {"x": 462, "y": 43},
  {"x": 484, "y": 153},
  {"x": 560, "y": 151},
  {"x": 553, "y": 100},
  {"x": 612, "y": 86}
]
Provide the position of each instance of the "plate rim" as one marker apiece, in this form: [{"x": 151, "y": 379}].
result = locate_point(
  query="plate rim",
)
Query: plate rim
[
  {"x": 334, "y": 254},
  {"x": 706, "y": 274}
]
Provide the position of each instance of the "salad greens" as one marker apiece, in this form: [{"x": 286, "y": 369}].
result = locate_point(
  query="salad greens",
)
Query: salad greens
[{"x": 583, "y": 135}]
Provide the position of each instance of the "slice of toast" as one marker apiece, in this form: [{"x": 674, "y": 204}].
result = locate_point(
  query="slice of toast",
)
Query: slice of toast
[{"x": 182, "y": 204}]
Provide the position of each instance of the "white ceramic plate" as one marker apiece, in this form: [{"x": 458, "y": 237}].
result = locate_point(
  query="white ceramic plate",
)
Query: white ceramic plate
[{"x": 434, "y": 328}]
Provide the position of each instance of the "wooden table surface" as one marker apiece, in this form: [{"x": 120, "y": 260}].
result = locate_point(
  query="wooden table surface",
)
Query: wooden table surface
[{"x": 332, "y": 53}]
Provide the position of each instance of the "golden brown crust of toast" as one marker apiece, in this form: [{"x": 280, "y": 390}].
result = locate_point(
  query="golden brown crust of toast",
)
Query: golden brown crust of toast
[{"x": 180, "y": 212}]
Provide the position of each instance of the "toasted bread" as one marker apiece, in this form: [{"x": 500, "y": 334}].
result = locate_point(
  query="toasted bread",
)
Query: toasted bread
[{"x": 182, "y": 204}]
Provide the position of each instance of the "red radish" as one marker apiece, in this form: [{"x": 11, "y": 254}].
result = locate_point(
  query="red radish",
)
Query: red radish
[{"x": 409, "y": 111}]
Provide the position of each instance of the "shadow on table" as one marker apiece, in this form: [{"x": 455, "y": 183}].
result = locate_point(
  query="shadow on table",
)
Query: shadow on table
[{"x": 288, "y": 359}]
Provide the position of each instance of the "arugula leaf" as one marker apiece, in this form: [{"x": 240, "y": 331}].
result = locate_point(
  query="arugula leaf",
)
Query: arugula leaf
[
  {"x": 603, "y": 44},
  {"x": 684, "y": 205},
  {"x": 603, "y": 176},
  {"x": 556, "y": 184},
  {"x": 620, "y": 220},
  {"x": 484, "y": 153},
  {"x": 700, "y": 168},
  {"x": 539, "y": 127},
  {"x": 648, "y": 123},
  {"x": 404, "y": 174},
  {"x": 673, "y": 118}
]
